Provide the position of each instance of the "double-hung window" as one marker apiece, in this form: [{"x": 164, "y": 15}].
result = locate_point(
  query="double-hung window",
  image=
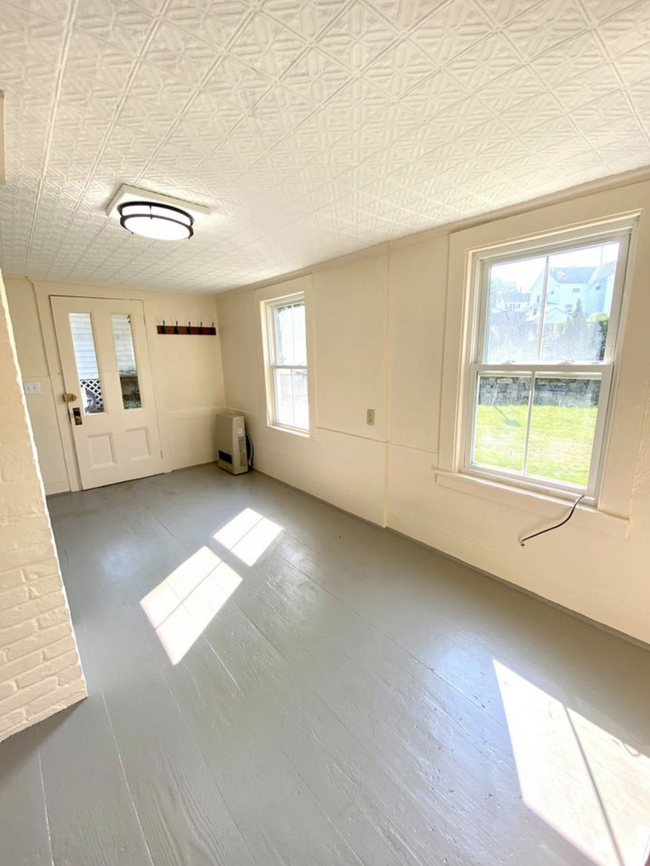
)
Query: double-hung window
[
  {"x": 543, "y": 351},
  {"x": 286, "y": 353}
]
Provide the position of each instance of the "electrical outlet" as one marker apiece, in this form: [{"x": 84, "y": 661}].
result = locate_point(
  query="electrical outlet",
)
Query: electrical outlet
[
  {"x": 31, "y": 388},
  {"x": 370, "y": 417}
]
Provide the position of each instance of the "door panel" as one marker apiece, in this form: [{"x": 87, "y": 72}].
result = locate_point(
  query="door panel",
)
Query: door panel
[{"x": 107, "y": 376}]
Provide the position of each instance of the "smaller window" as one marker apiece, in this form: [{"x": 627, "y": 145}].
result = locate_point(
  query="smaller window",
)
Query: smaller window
[{"x": 286, "y": 353}]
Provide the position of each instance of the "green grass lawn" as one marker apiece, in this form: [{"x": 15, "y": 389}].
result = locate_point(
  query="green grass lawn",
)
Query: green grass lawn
[{"x": 560, "y": 443}]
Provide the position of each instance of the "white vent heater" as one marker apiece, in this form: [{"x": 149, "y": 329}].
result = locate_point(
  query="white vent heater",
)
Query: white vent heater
[{"x": 231, "y": 442}]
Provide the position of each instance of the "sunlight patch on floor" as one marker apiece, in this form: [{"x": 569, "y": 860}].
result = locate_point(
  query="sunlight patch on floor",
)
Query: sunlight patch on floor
[
  {"x": 248, "y": 535},
  {"x": 591, "y": 787},
  {"x": 185, "y": 603}
]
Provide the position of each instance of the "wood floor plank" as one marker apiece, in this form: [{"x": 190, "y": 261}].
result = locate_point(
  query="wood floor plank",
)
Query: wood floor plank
[
  {"x": 341, "y": 707},
  {"x": 430, "y": 781},
  {"x": 91, "y": 814},
  {"x": 283, "y": 818},
  {"x": 24, "y": 831},
  {"x": 442, "y": 765},
  {"x": 181, "y": 812}
]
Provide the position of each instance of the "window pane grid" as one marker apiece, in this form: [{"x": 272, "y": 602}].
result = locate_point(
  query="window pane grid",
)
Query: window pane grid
[
  {"x": 287, "y": 364},
  {"x": 555, "y": 307},
  {"x": 544, "y": 362},
  {"x": 550, "y": 434}
]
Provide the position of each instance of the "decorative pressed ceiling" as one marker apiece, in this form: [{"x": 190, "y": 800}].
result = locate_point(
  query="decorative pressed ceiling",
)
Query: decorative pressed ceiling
[{"x": 311, "y": 127}]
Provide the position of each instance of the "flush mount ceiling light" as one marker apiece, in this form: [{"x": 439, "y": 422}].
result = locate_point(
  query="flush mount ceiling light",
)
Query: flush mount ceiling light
[
  {"x": 159, "y": 221},
  {"x": 153, "y": 215}
]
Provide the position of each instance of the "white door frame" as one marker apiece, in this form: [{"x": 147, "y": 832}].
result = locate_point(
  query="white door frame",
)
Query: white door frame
[{"x": 43, "y": 293}]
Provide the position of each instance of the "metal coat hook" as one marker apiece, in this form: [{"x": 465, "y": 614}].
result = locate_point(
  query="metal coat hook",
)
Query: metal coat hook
[
  {"x": 188, "y": 329},
  {"x": 522, "y": 541}
]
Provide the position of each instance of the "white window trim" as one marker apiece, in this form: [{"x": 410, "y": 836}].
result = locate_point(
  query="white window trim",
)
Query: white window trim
[
  {"x": 477, "y": 326},
  {"x": 267, "y": 299},
  {"x": 572, "y": 221}
]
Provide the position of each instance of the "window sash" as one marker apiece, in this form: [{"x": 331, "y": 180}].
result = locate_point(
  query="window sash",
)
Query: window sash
[
  {"x": 605, "y": 368},
  {"x": 272, "y": 365},
  {"x": 483, "y": 263},
  {"x": 585, "y": 371}
]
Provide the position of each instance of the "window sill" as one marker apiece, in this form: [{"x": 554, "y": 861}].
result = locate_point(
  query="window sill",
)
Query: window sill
[
  {"x": 586, "y": 516},
  {"x": 304, "y": 434}
]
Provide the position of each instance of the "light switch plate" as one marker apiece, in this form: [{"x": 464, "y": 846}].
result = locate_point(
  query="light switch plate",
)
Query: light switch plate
[{"x": 31, "y": 388}]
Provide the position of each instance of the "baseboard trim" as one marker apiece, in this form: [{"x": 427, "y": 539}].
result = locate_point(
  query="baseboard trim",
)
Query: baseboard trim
[
  {"x": 573, "y": 613},
  {"x": 52, "y": 488},
  {"x": 529, "y": 592}
]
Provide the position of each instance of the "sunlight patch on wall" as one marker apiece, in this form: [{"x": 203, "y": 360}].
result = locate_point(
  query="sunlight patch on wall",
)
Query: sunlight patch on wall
[
  {"x": 185, "y": 603},
  {"x": 591, "y": 787},
  {"x": 248, "y": 535}
]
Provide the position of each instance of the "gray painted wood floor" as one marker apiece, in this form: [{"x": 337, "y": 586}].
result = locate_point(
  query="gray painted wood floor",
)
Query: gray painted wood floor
[{"x": 357, "y": 699}]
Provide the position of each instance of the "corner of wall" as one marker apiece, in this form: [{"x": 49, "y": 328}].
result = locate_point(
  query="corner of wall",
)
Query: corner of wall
[{"x": 40, "y": 670}]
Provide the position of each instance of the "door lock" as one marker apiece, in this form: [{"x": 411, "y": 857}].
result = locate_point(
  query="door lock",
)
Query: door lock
[
  {"x": 69, "y": 398},
  {"x": 76, "y": 414}
]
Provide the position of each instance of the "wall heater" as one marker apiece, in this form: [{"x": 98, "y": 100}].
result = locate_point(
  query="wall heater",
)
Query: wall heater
[{"x": 231, "y": 442}]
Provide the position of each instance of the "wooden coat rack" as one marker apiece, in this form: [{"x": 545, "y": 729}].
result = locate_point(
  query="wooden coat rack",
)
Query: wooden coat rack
[{"x": 199, "y": 330}]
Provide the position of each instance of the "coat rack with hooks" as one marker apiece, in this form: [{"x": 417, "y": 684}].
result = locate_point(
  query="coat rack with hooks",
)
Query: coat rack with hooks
[{"x": 199, "y": 330}]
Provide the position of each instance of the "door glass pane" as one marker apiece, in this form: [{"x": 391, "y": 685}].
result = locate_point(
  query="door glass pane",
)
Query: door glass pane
[
  {"x": 291, "y": 398},
  {"x": 579, "y": 303},
  {"x": 85, "y": 355},
  {"x": 562, "y": 426},
  {"x": 501, "y": 419},
  {"x": 514, "y": 298},
  {"x": 290, "y": 337},
  {"x": 126, "y": 364}
]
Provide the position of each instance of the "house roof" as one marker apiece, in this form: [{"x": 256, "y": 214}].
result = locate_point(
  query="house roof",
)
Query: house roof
[
  {"x": 515, "y": 297},
  {"x": 572, "y": 274},
  {"x": 603, "y": 272}
]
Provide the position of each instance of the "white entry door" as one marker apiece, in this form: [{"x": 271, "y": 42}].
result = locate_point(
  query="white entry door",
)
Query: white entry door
[{"x": 109, "y": 390}]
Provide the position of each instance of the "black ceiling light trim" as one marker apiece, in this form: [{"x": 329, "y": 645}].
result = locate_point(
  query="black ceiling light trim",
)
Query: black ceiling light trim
[{"x": 159, "y": 213}]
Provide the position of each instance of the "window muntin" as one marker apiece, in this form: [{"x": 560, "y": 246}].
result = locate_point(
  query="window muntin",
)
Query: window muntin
[
  {"x": 288, "y": 384},
  {"x": 543, "y": 362}
]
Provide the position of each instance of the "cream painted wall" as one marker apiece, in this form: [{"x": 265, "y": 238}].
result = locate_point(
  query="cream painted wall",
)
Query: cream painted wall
[
  {"x": 353, "y": 293},
  {"x": 384, "y": 338},
  {"x": 187, "y": 375},
  {"x": 343, "y": 466},
  {"x": 33, "y": 368}
]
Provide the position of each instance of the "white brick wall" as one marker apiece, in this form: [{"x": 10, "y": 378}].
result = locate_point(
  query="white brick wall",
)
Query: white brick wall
[{"x": 40, "y": 672}]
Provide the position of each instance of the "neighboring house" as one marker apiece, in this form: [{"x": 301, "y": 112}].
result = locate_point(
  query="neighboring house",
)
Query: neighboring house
[
  {"x": 512, "y": 301},
  {"x": 592, "y": 286},
  {"x": 600, "y": 288},
  {"x": 566, "y": 286}
]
